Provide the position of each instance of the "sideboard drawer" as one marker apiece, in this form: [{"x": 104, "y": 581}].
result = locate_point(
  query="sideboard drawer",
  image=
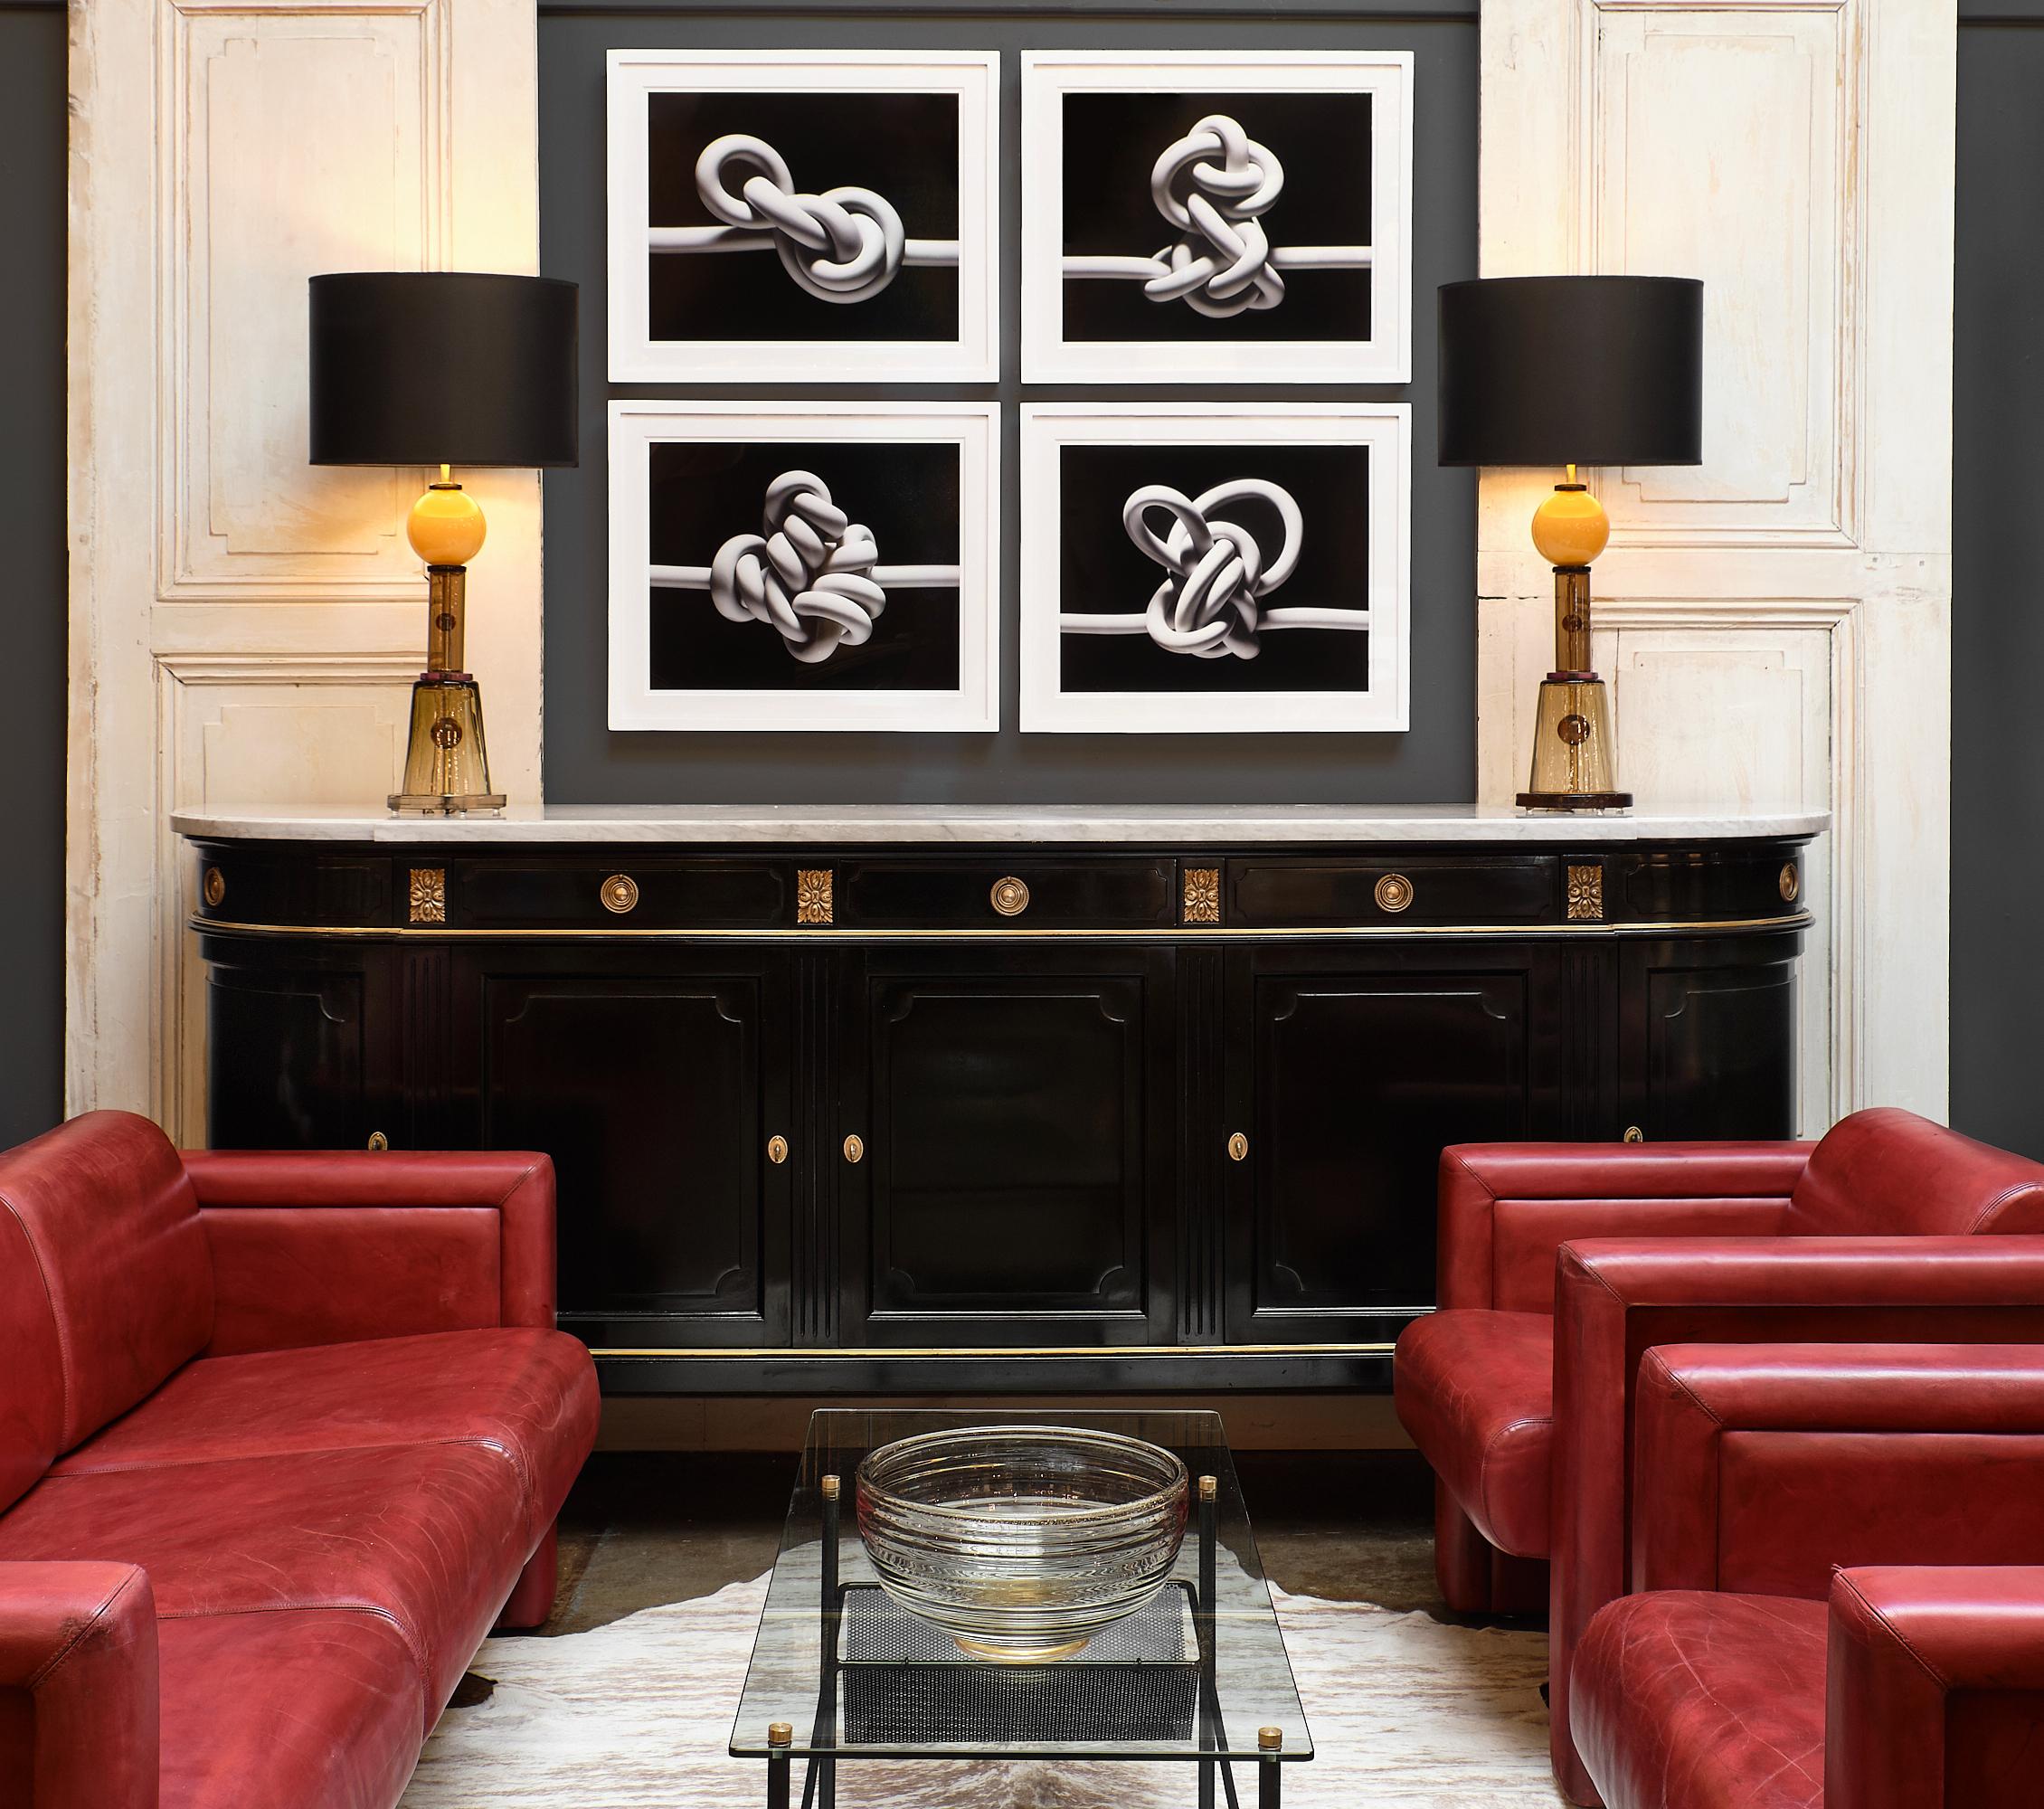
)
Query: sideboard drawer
[
  {"x": 620, "y": 893},
  {"x": 1388, "y": 890},
  {"x": 994, "y": 893}
]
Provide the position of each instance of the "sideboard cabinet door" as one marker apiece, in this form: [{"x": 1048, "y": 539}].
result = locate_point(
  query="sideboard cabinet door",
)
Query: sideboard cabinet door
[
  {"x": 287, "y": 1056},
  {"x": 655, "y": 1085},
  {"x": 1706, "y": 1041},
  {"x": 1013, "y": 1108},
  {"x": 1350, "y": 1070}
]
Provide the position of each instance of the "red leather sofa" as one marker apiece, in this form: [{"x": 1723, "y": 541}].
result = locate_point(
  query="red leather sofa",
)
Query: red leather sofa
[
  {"x": 1561, "y": 1264},
  {"x": 281, "y": 1437},
  {"x": 1756, "y": 1670}
]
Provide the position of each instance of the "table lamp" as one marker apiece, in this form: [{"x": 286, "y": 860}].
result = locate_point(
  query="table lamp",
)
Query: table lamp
[
  {"x": 1568, "y": 371},
  {"x": 443, "y": 368}
]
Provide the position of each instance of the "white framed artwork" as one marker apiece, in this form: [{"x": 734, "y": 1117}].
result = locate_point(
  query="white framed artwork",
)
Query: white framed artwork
[
  {"x": 804, "y": 216},
  {"x": 1216, "y": 217},
  {"x": 778, "y": 565},
  {"x": 1216, "y": 567}
]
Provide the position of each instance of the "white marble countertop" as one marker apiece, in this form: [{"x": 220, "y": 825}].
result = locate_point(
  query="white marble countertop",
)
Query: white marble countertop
[{"x": 852, "y": 825}]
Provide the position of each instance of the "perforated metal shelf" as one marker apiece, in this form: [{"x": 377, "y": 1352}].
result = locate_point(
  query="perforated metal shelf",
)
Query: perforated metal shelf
[{"x": 904, "y": 1679}]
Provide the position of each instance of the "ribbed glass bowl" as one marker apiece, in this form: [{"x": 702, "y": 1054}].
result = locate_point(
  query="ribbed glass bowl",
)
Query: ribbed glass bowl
[{"x": 1021, "y": 1542}]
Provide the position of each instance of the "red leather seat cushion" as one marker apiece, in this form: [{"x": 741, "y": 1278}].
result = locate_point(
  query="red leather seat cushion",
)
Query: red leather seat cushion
[
  {"x": 528, "y": 1393},
  {"x": 1475, "y": 1389},
  {"x": 317, "y": 1709},
  {"x": 1681, "y": 1700},
  {"x": 432, "y": 1536}
]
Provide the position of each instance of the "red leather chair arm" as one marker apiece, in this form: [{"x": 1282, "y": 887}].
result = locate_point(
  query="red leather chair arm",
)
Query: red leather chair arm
[
  {"x": 78, "y": 1687},
  {"x": 1934, "y": 1689},
  {"x": 1616, "y": 1300},
  {"x": 1506, "y": 1208},
  {"x": 1761, "y": 1468},
  {"x": 327, "y": 1247}
]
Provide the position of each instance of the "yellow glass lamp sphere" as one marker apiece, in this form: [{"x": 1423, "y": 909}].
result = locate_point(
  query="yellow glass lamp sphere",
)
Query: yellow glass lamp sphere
[
  {"x": 1570, "y": 528},
  {"x": 446, "y": 526}
]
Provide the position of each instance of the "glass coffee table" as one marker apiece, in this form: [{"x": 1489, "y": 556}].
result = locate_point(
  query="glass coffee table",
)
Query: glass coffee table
[{"x": 840, "y": 1672}]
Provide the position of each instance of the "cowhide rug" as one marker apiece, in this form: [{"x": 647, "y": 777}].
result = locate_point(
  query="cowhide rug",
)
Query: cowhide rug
[{"x": 1406, "y": 1714}]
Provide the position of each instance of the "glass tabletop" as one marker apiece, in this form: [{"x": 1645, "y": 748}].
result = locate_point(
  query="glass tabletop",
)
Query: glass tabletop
[{"x": 896, "y": 1687}]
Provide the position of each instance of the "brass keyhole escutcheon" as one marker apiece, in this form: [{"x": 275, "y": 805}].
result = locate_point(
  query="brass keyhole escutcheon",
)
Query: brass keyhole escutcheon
[
  {"x": 855, "y": 1148},
  {"x": 215, "y": 887},
  {"x": 378, "y": 1140},
  {"x": 1633, "y": 1134},
  {"x": 777, "y": 1150},
  {"x": 1010, "y": 898},
  {"x": 1394, "y": 891},
  {"x": 1238, "y": 1147},
  {"x": 619, "y": 894}
]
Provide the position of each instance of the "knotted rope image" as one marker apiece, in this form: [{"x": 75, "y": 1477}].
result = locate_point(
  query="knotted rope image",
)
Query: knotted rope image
[
  {"x": 845, "y": 245},
  {"x": 1214, "y": 185},
  {"x": 815, "y": 574},
  {"x": 1211, "y": 603}
]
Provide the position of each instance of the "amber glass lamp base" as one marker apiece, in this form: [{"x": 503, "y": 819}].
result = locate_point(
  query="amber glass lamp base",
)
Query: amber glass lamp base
[
  {"x": 446, "y": 766},
  {"x": 1572, "y": 768},
  {"x": 446, "y": 761}
]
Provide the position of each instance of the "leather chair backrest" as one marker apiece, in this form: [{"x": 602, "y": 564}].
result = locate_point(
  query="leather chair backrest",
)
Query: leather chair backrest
[
  {"x": 1889, "y": 1174},
  {"x": 106, "y": 1284}
]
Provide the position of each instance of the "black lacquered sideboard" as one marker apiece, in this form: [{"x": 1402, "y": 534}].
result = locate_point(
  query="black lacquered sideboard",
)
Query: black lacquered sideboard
[{"x": 942, "y": 1101}]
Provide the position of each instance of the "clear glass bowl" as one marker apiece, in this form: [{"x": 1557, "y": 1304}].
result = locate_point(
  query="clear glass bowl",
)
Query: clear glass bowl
[{"x": 1020, "y": 1541}]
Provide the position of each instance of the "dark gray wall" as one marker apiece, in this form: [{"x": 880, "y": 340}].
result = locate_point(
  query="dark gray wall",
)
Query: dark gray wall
[
  {"x": 585, "y": 762},
  {"x": 32, "y": 593},
  {"x": 1998, "y": 584}
]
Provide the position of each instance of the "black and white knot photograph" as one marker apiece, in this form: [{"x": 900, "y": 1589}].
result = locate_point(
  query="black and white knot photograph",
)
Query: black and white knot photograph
[
  {"x": 791, "y": 571},
  {"x": 1223, "y": 218},
  {"x": 1190, "y": 569},
  {"x": 798, "y": 216}
]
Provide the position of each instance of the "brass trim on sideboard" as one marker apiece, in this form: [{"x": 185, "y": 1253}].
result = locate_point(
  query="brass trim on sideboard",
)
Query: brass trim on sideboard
[
  {"x": 1165, "y": 932},
  {"x": 867, "y": 1352}
]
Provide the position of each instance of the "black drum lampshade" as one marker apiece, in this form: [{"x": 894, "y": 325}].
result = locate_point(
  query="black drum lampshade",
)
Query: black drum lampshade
[
  {"x": 1571, "y": 371},
  {"x": 443, "y": 367}
]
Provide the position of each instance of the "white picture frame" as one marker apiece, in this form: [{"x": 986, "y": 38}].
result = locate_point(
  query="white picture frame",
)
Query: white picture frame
[
  {"x": 1223, "y": 355},
  {"x": 1205, "y": 705},
  {"x": 732, "y": 429},
  {"x": 969, "y": 354}
]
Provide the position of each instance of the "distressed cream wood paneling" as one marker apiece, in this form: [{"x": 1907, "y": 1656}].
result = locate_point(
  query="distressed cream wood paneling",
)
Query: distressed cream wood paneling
[
  {"x": 1775, "y": 623},
  {"x": 243, "y": 626},
  {"x": 1717, "y": 150},
  {"x": 242, "y": 514}
]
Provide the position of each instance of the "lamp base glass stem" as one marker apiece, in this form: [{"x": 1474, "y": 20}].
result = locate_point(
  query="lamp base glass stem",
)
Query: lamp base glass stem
[
  {"x": 1573, "y": 768},
  {"x": 446, "y": 759}
]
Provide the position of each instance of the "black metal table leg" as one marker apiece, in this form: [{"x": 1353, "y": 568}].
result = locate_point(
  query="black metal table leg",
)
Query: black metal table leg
[
  {"x": 1270, "y": 1743},
  {"x": 780, "y": 1737},
  {"x": 821, "y": 1783}
]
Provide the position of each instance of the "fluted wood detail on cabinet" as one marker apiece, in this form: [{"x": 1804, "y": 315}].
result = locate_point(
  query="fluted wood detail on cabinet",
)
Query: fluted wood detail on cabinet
[
  {"x": 816, "y": 1003},
  {"x": 1203, "y": 1128},
  {"x": 427, "y": 1056}
]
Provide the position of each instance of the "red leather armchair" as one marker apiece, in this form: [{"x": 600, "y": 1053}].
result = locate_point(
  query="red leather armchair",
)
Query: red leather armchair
[
  {"x": 1754, "y": 1670},
  {"x": 281, "y": 1437},
  {"x": 1524, "y": 1412}
]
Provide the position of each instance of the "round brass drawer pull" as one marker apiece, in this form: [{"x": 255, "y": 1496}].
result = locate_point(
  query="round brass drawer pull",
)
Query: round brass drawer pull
[
  {"x": 855, "y": 1148},
  {"x": 1238, "y": 1148},
  {"x": 777, "y": 1150},
  {"x": 1790, "y": 883},
  {"x": 1633, "y": 1134},
  {"x": 215, "y": 887},
  {"x": 1010, "y": 898},
  {"x": 619, "y": 894},
  {"x": 1394, "y": 891},
  {"x": 378, "y": 1140}
]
